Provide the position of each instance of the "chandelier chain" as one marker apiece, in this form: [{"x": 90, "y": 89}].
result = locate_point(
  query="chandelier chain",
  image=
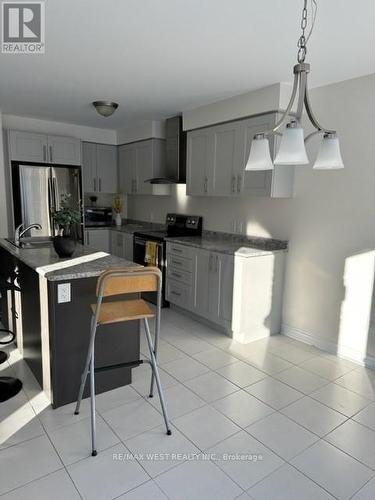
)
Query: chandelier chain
[{"x": 303, "y": 39}]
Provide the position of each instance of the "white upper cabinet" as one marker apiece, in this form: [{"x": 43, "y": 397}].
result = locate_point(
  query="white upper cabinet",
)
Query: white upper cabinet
[
  {"x": 27, "y": 146},
  {"x": 138, "y": 162},
  {"x": 99, "y": 165},
  {"x": 217, "y": 157}
]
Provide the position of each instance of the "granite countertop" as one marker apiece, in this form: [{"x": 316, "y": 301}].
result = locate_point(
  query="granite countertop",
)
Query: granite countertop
[
  {"x": 232, "y": 244},
  {"x": 37, "y": 258},
  {"x": 129, "y": 226}
]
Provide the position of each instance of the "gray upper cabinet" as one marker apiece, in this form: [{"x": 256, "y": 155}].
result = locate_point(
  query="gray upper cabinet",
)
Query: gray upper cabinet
[
  {"x": 217, "y": 157},
  {"x": 140, "y": 161},
  {"x": 27, "y": 146},
  {"x": 99, "y": 163},
  {"x": 199, "y": 159},
  {"x": 64, "y": 150}
]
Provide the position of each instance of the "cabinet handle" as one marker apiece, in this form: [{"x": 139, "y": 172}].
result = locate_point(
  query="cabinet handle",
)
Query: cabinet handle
[
  {"x": 239, "y": 183},
  {"x": 178, "y": 250},
  {"x": 233, "y": 184},
  {"x": 205, "y": 184},
  {"x": 176, "y": 275},
  {"x": 50, "y": 154},
  {"x": 100, "y": 184},
  {"x": 94, "y": 182},
  {"x": 135, "y": 185},
  {"x": 216, "y": 264},
  {"x": 176, "y": 293},
  {"x": 210, "y": 263},
  {"x": 88, "y": 238},
  {"x": 178, "y": 262},
  {"x": 45, "y": 153}
]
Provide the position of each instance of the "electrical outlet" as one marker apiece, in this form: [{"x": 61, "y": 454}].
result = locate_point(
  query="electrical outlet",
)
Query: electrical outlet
[{"x": 63, "y": 293}]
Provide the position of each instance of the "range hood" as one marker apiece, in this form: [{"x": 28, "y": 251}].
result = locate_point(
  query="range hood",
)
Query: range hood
[{"x": 175, "y": 162}]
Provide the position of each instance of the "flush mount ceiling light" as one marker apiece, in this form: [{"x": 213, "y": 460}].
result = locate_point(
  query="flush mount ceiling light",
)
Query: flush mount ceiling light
[
  {"x": 292, "y": 149},
  {"x": 105, "y": 108}
]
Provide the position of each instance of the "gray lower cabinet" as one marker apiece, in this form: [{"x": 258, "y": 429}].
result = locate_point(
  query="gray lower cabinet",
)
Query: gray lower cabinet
[
  {"x": 139, "y": 161},
  {"x": 122, "y": 245},
  {"x": 201, "y": 281},
  {"x": 99, "y": 168},
  {"x": 242, "y": 294},
  {"x": 98, "y": 239},
  {"x": 217, "y": 156}
]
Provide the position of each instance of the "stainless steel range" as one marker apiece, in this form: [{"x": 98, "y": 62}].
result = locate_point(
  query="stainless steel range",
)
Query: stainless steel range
[{"x": 176, "y": 225}]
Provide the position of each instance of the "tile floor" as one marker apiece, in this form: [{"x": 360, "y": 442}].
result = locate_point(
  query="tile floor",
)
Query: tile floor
[{"x": 276, "y": 419}]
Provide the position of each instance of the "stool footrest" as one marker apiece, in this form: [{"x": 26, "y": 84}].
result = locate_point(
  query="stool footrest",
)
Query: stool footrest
[{"x": 128, "y": 364}]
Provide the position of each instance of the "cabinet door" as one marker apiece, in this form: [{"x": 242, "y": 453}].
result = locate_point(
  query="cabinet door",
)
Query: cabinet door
[
  {"x": 26, "y": 146},
  {"x": 202, "y": 264},
  {"x": 226, "y": 159},
  {"x": 90, "y": 184},
  {"x": 106, "y": 168},
  {"x": 127, "y": 168},
  {"x": 255, "y": 183},
  {"x": 64, "y": 150},
  {"x": 128, "y": 247},
  {"x": 144, "y": 167},
  {"x": 98, "y": 239},
  {"x": 225, "y": 270},
  {"x": 117, "y": 243},
  {"x": 199, "y": 158}
]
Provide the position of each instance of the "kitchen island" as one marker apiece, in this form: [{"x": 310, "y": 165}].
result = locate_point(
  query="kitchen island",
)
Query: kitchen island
[{"x": 48, "y": 307}]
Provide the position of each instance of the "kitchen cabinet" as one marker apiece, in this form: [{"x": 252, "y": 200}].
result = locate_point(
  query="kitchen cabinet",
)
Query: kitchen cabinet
[
  {"x": 139, "y": 161},
  {"x": 99, "y": 165},
  {"x": 201, "y": 281},
  {"x": 241, "y": 294},
  {"x": 98, "y": 239},
  {"x": 217, "y": 157},
  {"x": 122, "y": 245},
  {"x": 42, "y": 148}
]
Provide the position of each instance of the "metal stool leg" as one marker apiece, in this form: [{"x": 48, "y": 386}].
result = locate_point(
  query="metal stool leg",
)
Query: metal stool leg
[
  {"x": 87, "y": 365},
  {"x": 92, "y": 400},
  {"x": 155, "y": 372}
]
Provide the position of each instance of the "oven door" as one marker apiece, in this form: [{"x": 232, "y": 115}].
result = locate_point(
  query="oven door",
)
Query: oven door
[{"x": 139, "y": 258}]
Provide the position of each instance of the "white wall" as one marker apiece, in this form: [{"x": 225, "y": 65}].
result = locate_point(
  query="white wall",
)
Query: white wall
[
  {"x": 91, "y": 134},
  {"x": 329, "y": 223},
  {"x": 144, "y": 130},
  {"x": 251, "y": 103}
]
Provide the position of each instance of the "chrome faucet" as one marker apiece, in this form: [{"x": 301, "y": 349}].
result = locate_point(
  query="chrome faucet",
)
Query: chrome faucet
[{"x": 20, "y": 231}]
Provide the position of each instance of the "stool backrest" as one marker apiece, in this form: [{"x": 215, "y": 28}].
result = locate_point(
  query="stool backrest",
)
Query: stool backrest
[{"x": 128, "y": 280}]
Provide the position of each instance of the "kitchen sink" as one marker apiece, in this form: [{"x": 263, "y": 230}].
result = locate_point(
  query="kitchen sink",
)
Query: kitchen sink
[{"x": 31, "y": 242}]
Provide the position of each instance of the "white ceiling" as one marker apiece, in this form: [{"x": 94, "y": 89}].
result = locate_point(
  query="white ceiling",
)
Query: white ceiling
[{"x": 160, "y": 57}]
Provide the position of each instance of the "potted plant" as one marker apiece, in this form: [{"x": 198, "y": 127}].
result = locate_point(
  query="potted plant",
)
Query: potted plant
[
  {"x": 117, "y": 208},
  {"x": 65, "y": 220}
]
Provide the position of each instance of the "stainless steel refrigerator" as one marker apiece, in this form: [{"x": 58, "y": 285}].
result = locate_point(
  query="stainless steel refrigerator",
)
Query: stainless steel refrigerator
[{"x": 37, "y": 191}]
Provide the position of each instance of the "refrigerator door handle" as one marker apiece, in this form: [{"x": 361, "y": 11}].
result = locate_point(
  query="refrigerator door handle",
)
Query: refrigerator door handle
[
  {"x": 55, "y": 196},
  {"x": 50, "y": 154}
]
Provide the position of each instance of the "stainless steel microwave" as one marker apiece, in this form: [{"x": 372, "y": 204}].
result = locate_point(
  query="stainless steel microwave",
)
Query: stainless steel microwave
[{"x": 98, "y": 216}]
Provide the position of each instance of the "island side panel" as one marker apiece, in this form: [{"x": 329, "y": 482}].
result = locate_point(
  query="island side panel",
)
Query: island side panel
[{"x": 69, "y": 333}]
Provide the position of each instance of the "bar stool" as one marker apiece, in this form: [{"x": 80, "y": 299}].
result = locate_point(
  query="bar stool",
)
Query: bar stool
[{"x": 123, "y": 281}]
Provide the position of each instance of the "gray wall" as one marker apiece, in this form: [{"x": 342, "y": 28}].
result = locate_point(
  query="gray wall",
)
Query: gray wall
[{"x": 330, "y": 224}]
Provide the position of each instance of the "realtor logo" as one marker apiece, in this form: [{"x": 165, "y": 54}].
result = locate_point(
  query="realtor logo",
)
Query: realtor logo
[{"x": 23, "y": 29}]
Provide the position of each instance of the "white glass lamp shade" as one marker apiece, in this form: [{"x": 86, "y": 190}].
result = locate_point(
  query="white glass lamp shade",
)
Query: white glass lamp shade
[
  {"x": 259, "y": 157},
  {"x": 329, "y": 156},
  {"x": 292, "y": 149}
]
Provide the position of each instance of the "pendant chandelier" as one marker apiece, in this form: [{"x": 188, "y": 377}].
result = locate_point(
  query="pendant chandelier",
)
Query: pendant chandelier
[{"x": 292, "y": 150}]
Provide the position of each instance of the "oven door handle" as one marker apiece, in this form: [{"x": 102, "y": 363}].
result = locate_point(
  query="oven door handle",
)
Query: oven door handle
[{"x": 138, "y": 241}]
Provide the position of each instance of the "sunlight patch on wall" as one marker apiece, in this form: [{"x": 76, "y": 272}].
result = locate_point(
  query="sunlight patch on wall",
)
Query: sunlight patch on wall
[
  {"x": 181, "y": 198},
  {"x": 356, "y": 307},
  {"x": 254, "y": 228}
]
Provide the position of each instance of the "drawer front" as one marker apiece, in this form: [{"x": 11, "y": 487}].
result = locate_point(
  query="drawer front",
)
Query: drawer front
[
  {"x": 180, "y": 250},
  {"x": 180, "y": 263},
  {"x": 179, "y": 275},
  {"x": 179, "y": 294}
]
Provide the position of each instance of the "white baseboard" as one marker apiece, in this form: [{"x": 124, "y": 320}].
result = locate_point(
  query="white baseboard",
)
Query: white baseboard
[{"x": 327, "y": 345}]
